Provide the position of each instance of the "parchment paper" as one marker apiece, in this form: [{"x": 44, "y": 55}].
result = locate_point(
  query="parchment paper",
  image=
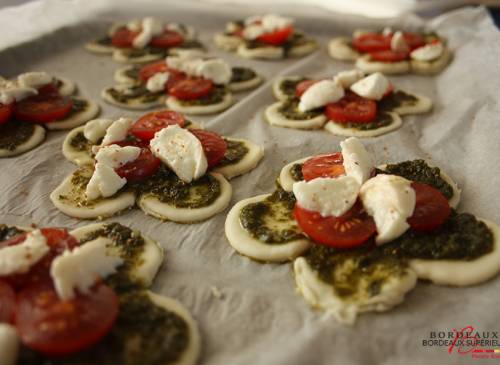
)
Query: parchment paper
[{"x": 261, "y": 319}]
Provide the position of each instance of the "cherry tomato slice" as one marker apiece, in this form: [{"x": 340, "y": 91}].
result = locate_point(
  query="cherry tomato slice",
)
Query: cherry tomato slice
[
  {"x": 350, "y": 230},
  {"x": 7, "y": 302},
  {"x": 58, "y": 241},
  {"x": 214, "y": 146},
  {"x": 6, "y": 111},
  {"x": 302, "y": 87},
  {"x": 150, "y": 70},
  {"x": 277, "y": 37},
  {"x": 38, "y": 109},
  {"x": 168, "y": 39},
  {"x": 432, "y": 209},
  {"x": 190, "y": 88},
  {"x": 330, "y": 165},
  {"x": 372, "y": 42},
  {"x": 49, "y": 90},
  {"x": 413, "y": 40},
  {"x": 141, "y": 168},
  {"x": 123, "y": 38},
  {"x": 56, "y": 327},
  {"x": 389, "y": 56},
  {"x": 146, "y": 126},
  {"x": 352, "y": 109}
]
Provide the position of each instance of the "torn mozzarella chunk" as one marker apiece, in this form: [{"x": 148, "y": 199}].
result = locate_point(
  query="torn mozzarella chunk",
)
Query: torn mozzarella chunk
[
  {"x": 18, "y": 259},
  {"x": 232, "y": 27},
  {"x": 117, "y": 131},
  {"x": 387, "y": 31},
  {"x": 357, "y": 161},
  {"x": 372, "y": 87},
  {"x": 347, "y": 78},
  {"x": 216, "y": 70},
  {"x": 181, "y": 151},
  {"x": 96, "y": 129},
  {"x": 134, "y": 25},
  {"x": 11, "y": 91},
  {"x": 34, "y": 79},
  {"x": 398, "y": 42},
  {"x": 320, "y": 94},
  {"x": 157, "y": 82},
  {"x": 104, "y": 182},
  {"x": 150, "y": 27},
  {"x": 390, "y": 200},
  {"x": 329, "y": 197},
  {"x": 116, "y": 156},
  {"x": 80, "y": 268},
  {"x": 428, "y": 52},
  {"x": 9, "y": 344},
  {"x": 256, "y": 26}
]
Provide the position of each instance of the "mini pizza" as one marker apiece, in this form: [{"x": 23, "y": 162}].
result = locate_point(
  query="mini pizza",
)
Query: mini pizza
[
  {"x": 360, "y": 235},
  {"x": 159, "y": 162},
  {"x": 393, "y": 52},
  {"x": 349, "y": 104},
  {"x": 145, "y": 40},
  {"x": 187, "y": 83},
  {"x": 265, "y": 37},
  {"x": 34, "y": 103},
  {"x": 82, "y": 297}
]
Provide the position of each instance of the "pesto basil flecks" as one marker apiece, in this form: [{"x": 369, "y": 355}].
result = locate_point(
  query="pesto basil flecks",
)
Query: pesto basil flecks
[
  {"x": 14, "y": 133},
  {"x": 296, "y": 172},
  {"x": 395, "y": 100},
  {"x": 7, "y": 232},
  {"x": 290, "y": 110},
  {"x": 288, "y": 86},
  {"x": 104, "y": 41},
  {"x": 80, "y": 143},
  {"x": 235, "y": 152},
  {"x": 271, "y": 220},
  {"x": 136, "y": 92},
  {"x": 79, "y": 105},
  {"x": 241, "y": 74},
  {"x": 133, "y": 72},
  {"x": 216, "y": 96}
]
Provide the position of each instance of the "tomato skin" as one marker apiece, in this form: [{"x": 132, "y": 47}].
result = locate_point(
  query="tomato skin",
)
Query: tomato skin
[
  {"x": 277, "y": 37},
  {"x": 54, "y": 327},
  {"x": 43, "y": 109},
  {"x": 140, "y": 169},
  {"x": 302, "y": 87},
  {"x": 123, "y": 38},
  {"x": 49, "y": 90},
  {"x": 352, "y": 229},
  {"x": 214, "y": 145},
  {"x": 7, "y": 302},
  {"x": 389, "y": 56},
  {"x": 6, "y": 112},
  {"x": 150, "y": 70},
  {"x": 191, "y": 88},
  {"x": 432, "y": 209},
  {"x": 372, "y": 42},
  {"x": 352, "y": 109},
  {"x": 330, "y": 165},
  {"x": 168, "y": 39},
  {"x": 146, "y": 126},
  {"x": 413, "y": 40}
]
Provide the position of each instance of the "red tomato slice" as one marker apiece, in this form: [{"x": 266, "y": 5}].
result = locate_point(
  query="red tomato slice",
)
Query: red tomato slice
[
  {"x": 277, "y": 37},
  {"x": 214, "y": 146},
  {"x": 58, "y": 241},
  {"x": 150, "y": 70},
  {"x": 190, "y": 88},
  {"x": 7, "y": 302},
  {"x": 49, "y": 90},
  {"x": 43, "y": 109},
  {"x": 431, "y": 208},
  {"x": 389, "y": 56},
  {"x": 55, "y": 327},
  {"x": 168, "y": 39},
  {"x": 350, "y": 230},
  {"x": 323, "y": 166},
  {"x": 174, "y": 77},
  {"x": 352, "y": 108},
  {"x": 6, "y": 111},
  {"x": 146, "y": 126},
  {"x": 372, "y": 42},
  {"x": 302, "y": 87},
  {"x": 123, "y": 38},
  {"x": 141, "y": 168},
  {"x": 413, "y": 40}
]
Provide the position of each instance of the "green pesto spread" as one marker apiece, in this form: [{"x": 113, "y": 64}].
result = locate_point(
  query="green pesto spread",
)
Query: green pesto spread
[
  {"x": 104, "y": 41},
  {"x": 80, "y": 143},
  {"x": 214, "y": 97},
  {"x": 146, "y": 51},
  {"x": 419, "y": 171},
  {"x": 288, "y": 86},
  {"x": 190, "y": 43},
  {"x": 241, "y": 74},
  {"x": 136, "y": 92},
  {"x": 79, "y": 181},
  {"x": 290, "y": 110},
  {"x": 7, "y": 232},
  {"x": 133, "y": 72},
  {"x": 296, "y": 172},
  {"x": 271, "y": 220},
  {"x": 395, "y": 100},
  {"x": 14, "y": 133},
  {"x": 79, "y": 105},
  {"x": 382, "y": 119},
  {"x": 235, "y": 152}
]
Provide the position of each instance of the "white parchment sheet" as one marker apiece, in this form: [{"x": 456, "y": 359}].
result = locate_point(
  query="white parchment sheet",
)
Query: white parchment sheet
[{"x": 261, "y": 319}]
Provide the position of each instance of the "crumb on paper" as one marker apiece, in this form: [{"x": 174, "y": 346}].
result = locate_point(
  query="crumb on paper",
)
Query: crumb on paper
[{"x": 216, "y": 292}]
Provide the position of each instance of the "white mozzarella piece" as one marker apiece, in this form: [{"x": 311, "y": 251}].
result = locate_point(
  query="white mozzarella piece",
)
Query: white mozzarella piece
[
  {"x": 96, "y": 129},
  {"x": 428, "y": 52},
  {"x": 216, "y": 70},
  {"x": 9, "y": 344},
  {"x": 116, "y": 156},
  {"x": 390, "y": 200},
  {"x": 104, "y": 182},
  {"x": 11, "y": 91},
  {"x": 387, "y": 31},
  {"x": 232, "y": 27},
  {"x": 348, "y": 78},
  {"x": 372, "y": 87},
  {"x": 181, "y": 151},
  {"x": 157, "y": 82},
  {"x": 79, "y": 268},
  {"x": 268, "y": 24},
  {"x": 150, "y": 27},
  {"x": 18, "y": 259},
  {"x": 330, "y": 197},
  {"x": 398, "y": 42},
  {"x": 134, "y": 25},
  {"x": 117, "y": 131},
  {"x": 34, "y": 79},
  {"x": 357, "y": 161},
  {"x": 320, "y": 94}
]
